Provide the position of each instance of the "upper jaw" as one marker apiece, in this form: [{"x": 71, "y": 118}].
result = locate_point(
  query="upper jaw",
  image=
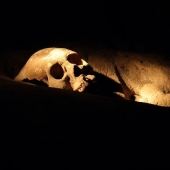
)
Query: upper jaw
[{"x": 82, "y": 82}]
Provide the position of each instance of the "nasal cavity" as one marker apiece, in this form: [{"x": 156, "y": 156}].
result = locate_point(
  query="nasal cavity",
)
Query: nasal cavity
[
  {"x": 77, "y": 71},
  {"x": 57, "y": 71}
]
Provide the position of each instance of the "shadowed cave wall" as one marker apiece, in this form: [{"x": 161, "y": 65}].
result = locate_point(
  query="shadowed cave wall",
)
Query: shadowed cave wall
[{"x": 40, "y": 134}]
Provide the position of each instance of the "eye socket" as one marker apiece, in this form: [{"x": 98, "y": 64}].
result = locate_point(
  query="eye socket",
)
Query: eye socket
[
  {"x": 74, "y": 59},
  {"x": 57, "y": 71}
]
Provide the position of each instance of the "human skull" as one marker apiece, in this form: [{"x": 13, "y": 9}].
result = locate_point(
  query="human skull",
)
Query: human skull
[{"x": 58, "y": 68}]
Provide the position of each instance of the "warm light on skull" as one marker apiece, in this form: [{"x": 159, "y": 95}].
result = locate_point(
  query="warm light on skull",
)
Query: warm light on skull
[{"x": 58, "y": 68}]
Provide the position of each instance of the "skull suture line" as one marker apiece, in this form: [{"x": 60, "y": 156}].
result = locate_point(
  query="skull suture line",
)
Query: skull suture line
[{"x": 59, "y": 68}]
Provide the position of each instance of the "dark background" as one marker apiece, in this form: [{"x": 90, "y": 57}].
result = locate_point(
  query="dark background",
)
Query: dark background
[
  {"x": 43, "y": 133},
  {"x": 39, "y": 24}
]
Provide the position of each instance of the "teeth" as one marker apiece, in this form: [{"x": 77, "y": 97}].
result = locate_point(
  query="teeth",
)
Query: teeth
[{"x": 80, "y": 88}]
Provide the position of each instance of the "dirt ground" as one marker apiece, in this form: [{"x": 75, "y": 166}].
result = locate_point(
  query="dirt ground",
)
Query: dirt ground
[{"x": 48, "y": 127}]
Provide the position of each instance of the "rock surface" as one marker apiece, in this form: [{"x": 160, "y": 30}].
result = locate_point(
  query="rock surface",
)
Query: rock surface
[{"x": 47, "y": 127}]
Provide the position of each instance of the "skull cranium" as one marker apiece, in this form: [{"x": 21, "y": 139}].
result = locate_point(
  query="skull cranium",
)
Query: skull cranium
[{"x": 59, "y": 68}]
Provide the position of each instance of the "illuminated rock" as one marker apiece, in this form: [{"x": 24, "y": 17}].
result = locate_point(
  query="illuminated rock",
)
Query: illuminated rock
[
  {"x": 143, "y": 77},
  {"x": 59, "y": 68}
]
